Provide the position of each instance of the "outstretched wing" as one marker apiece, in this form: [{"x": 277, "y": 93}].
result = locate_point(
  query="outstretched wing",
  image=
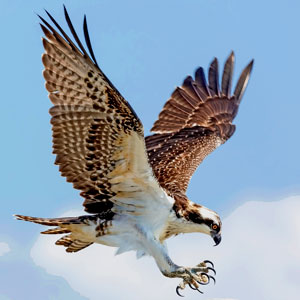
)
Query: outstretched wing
[
  {"x": 97, "y": 137},
  {"x": 194, "y": 121}
]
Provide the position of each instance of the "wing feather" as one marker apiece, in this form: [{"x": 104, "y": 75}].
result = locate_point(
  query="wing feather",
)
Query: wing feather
[
  {"x": 97, "y": 137},
  {"x": 213, "y": 78},
  {"x": 200, "y": 82},
  {"x": 227, "y": 76},
  {"x": 194, "y": 121},
  {"x": 242, "y": 82},
  {"x": 88, "y": 41}
]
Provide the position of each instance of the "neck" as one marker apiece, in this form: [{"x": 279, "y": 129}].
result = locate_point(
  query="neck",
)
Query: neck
[
  {"x": 177, "y": 224},
  {"x": 188, "y": 218}
]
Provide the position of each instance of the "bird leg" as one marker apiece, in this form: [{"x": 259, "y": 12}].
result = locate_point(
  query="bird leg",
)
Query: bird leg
[{"x": 198, "y": 275}]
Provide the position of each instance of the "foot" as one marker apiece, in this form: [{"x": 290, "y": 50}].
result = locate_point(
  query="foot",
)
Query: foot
[{"x": 193, "y": 277}]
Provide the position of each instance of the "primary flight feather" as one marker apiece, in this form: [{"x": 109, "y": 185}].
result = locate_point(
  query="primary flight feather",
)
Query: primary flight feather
[{"x": 134, "y": 188}]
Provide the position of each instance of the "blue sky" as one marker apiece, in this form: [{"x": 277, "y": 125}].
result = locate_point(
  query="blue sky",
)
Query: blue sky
[{"x": 147, "y": 48}]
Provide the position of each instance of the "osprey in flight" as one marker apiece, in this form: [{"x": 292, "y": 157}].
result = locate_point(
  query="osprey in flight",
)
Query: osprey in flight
[{"x": 134, "y": 188}]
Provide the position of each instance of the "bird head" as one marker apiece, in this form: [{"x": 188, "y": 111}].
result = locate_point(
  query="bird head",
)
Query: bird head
[{"x": 206, "y": 221}]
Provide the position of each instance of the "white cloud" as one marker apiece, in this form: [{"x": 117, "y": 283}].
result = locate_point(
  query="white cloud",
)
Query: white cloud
[
  {"x": 258, "y": 258},
  {"x": 4, "y": 248}
]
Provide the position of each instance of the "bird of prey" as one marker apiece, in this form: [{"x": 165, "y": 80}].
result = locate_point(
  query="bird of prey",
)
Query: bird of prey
[{"x": 134, "y": 188}]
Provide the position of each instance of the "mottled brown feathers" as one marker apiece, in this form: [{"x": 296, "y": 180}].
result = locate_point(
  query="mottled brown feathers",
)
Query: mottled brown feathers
[
  {"x": 66, "y": 225},
  {"x": 72, "y": 244},
  {"x": 179, "y": 155},
  {"x": 90, "y": 119},
  {"x": 98, "y": 138},
  {"x": 194, "y": 121}
]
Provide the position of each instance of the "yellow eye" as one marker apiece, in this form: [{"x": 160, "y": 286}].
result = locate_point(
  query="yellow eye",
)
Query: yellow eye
[{"x": 214, "y": 227}]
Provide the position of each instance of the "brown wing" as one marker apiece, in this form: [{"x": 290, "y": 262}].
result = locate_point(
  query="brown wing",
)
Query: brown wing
[
  {"x": 194, "y": 121},
  {"x": 97, "y": 137}
]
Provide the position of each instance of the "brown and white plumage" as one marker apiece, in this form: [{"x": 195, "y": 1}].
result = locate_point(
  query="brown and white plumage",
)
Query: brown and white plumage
[
  {"x": 193, "y": 123},
  {"x": 97, "y": 137},
  {"x": 133, "y": 188}
]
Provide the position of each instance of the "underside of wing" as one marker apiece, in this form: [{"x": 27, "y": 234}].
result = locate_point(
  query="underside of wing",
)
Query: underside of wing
[
  {"x": 97, "y": 137},
  {"x": 194, "y": 121}
]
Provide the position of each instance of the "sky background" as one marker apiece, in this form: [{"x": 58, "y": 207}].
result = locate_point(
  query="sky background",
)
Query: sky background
[{"x": 147, "y": 48}]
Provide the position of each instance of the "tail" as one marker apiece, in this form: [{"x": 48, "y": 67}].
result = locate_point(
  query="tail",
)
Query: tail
[{"x": 64, "y": 225}]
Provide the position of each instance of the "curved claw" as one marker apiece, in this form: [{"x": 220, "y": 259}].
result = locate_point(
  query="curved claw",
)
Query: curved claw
[
  {"x": 177, "y": 291},
  {"x": 199, "y": 291},
  {"x": 213, "y": 278},
  {"x": 209, "y": 262},
  {"x": 192, "y": 287},
  {"x": 209, "y": 268},
  {"x": 195, "y": 289}
]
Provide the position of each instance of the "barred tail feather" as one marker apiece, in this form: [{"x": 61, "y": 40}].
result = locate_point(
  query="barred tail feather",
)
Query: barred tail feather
[
  {"x": 72, "y": 244},
  {"x": 56, "y": 230},
  {"x": 70, "y": 241},
  {"x": 47, "y": 221}
]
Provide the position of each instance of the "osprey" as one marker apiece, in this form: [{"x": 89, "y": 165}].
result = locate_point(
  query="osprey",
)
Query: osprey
[{"x": 134, "y": 187}]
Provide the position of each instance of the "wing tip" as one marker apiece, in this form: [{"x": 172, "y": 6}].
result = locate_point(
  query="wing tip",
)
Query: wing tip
[
  {"x": 213, "y": 77},
  {"x": 231, "y": 56},
  {"x": 17, "y": 217},
  {"x": 88, "y": 40},
  {"x": 199, "y": 71},
  {"x": 243, "y": 82},
  {"x": 21, "y": 217},
  {"x": 79, "y": 48},
  {"x": 251, "y": 64},
  {"x": 214, "y": 61},
  {"x": 227, "y": 75}
]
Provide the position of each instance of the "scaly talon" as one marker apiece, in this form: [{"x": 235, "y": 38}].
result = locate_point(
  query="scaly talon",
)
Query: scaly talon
[
  {"x": 199, "y": 291},
  {"x": 213, "y": 278},
  {"x": 177, "y": 291},
  {"x": 209, "y": 268},
  {"x": 209, "y": 262},
  {"x": 190, "y": 285},
  {"x": 195, "y": 289},
  {"x": 194, "y": 276}
]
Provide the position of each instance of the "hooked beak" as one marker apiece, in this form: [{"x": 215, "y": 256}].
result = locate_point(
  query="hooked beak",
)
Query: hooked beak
[{"x": 217, "y": 238}]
